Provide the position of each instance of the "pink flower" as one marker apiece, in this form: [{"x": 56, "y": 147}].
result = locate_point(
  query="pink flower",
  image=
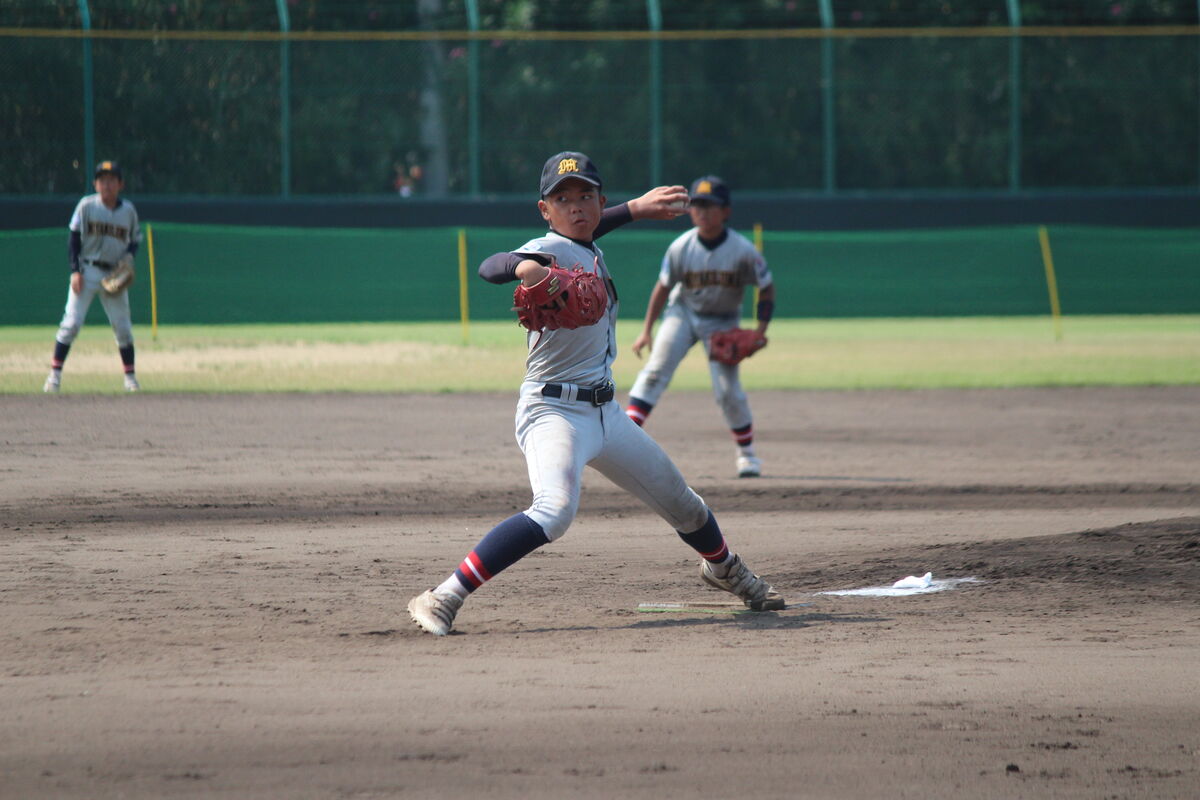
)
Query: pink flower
[
  {"x": 1116, "y": 9},
  {"x": 856, "y": 16},
  {"x": 458, "y": 52}
]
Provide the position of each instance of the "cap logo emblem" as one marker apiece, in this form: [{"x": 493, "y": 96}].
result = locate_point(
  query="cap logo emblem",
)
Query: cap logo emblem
[
  {"x": 568, "y": 165},
  {"x": 705, "y": 187}
]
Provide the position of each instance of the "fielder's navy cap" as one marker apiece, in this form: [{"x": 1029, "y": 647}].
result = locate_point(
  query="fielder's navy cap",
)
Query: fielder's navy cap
[
  {"x": 710, "y": 188},
  {"x": 568, "y": 165},
  {"x": 108, "y": 166}
]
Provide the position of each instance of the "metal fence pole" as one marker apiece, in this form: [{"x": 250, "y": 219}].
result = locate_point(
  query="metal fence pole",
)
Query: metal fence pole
[
  {"x": 1014, "y": 106},
  {"x": 89, "y": 99},
  {"x": 473, "y": 141},
  {"x": 654, "y": 14},
  {"x": 285, "y": 100},
  {"x": 828, "y": 107}
]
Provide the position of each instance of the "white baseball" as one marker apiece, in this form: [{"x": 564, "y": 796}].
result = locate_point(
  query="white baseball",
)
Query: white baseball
[{"x": 680, "y": 206}]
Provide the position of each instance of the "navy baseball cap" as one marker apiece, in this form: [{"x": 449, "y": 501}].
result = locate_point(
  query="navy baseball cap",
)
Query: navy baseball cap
[
  {"x": 710, "y": 188},
  {"x": 568, "y": 165},
  {"x": 108, "y": 166}
]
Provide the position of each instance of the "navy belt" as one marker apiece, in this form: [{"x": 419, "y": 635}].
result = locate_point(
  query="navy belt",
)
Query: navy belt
[
  {"x": 100, "y": 264},
  {"x": 596, "y": 395}
]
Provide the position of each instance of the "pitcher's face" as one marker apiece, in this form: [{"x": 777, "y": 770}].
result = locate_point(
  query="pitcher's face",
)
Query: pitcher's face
[{"x": 573, "y": 209}]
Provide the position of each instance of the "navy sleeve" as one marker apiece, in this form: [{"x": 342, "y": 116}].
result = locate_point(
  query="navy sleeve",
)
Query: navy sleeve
[
  {"x": 500, "y": 268},
  {"x": 133, "y": 248},
  {"x": 74, "y": 247},
  {"x": 613, "y": 218}
]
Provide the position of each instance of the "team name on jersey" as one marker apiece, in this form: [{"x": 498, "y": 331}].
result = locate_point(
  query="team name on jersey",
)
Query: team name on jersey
[
  {"x": 108, "y": 229},
  {"x": 712, "y": 277}
]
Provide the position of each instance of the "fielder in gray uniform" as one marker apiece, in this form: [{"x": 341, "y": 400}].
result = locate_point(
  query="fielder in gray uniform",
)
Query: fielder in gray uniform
[
  {"x": 104, "y": 229},
  {"x": 567, "y": 417},
  {"x": 702, "y": 282}
]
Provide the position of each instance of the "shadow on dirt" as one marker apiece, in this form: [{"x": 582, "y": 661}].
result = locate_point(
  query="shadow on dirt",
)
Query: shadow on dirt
[{"x": 766, "y": 620}]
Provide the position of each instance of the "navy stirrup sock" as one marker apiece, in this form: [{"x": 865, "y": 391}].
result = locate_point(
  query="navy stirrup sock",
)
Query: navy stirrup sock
[
  {"x": 708, "y": 541},
  {"x": 502, "y": 546}
]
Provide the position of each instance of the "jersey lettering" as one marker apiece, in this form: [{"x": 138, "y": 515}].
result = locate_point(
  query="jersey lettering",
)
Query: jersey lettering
[
  {"x": 712, "y": 277},
  {"x": 108, "y": 229}
]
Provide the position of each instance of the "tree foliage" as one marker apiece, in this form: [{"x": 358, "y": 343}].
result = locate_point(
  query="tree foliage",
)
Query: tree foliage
[{"x": 195, "y": 116}]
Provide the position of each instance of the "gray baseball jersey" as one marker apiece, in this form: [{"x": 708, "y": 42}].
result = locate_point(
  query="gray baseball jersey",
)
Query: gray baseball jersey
[
  {"x": 105, "y": 233},
  {"x": 711, "y": 282},
  {"x": 560, "y": 436},
  {"x": 582, "y": 356}
]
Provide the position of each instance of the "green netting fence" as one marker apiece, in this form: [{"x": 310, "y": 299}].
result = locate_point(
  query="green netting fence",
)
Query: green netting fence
[{"x": 212, "y": 274}]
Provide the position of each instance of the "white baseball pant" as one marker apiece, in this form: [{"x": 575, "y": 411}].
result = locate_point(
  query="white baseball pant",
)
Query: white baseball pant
[
  {"x": 678, "y": 331},
  {"x": 115, "y": 306},
  {"x": 559, "y": 437}
]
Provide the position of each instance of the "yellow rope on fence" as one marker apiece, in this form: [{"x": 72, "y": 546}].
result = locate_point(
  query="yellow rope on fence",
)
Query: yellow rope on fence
[{"x": 990, "y": 31}]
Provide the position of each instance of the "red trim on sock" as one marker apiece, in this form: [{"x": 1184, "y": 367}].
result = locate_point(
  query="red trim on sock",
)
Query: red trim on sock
[
  {"x": 636, "y": 414},
  {"x": 469, "y": 575},
  {"x": 472, "y": 571},
  {"x": 478, "y": 566},
  {"x": 717, "y": 556},
  {"x": 744, "y": 436}
]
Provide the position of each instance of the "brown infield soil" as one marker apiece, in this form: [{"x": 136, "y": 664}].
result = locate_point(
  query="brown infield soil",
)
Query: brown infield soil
[{"x": 204, "y": 596}]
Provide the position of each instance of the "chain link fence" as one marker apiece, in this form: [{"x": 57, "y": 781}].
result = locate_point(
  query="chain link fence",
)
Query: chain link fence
[{"x": 467, "y": 98}]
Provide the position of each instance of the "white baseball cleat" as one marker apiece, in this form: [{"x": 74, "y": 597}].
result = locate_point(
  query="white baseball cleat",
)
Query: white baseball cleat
[
  {"x": 53, "y": 383},
  {"x": 435, "y": 612},
  {"x": 131, "y": 383},
  {"x": 749, "y": 467},
  {"x": 757, "y": 594}
]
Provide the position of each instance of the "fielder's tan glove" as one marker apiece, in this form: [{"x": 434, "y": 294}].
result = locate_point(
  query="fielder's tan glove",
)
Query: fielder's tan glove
[{"x": 121, "y": 277}]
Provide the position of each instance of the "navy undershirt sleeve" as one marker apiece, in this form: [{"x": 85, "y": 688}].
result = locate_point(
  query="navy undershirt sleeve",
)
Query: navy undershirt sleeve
[
  {"x": 613, "y": 218},
  {"x": 74, "y": 248},
  {"x": 502, "y": 267}
]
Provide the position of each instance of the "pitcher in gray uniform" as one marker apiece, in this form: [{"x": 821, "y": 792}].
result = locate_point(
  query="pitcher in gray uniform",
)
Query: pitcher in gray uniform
[
  {"x": 567, "y": 417},
  {"x": 103, "y": 229},
  {"x": 703, "y": 279}
]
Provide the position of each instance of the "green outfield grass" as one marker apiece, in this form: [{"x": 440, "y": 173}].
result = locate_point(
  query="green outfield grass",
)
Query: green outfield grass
[{"x": 803, "y": 354}]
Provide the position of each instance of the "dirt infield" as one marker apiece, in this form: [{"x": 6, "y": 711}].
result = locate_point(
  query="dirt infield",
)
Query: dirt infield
[{"x": 203, "y": 596}]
